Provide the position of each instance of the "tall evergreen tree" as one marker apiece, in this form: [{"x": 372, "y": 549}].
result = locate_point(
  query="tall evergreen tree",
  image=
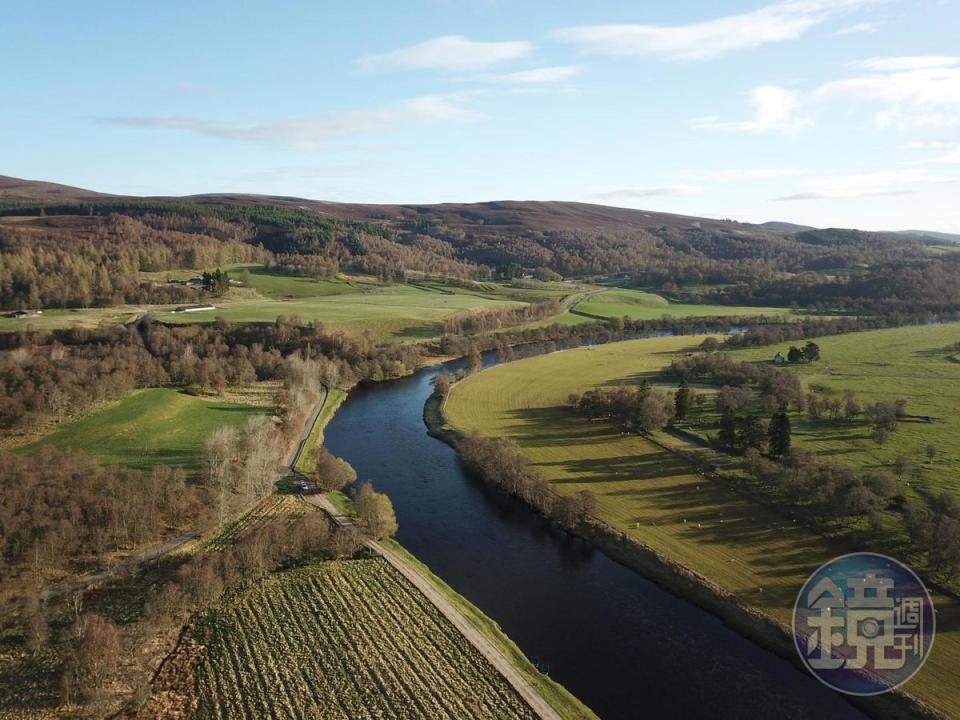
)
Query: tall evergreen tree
[
  {"x": 779, "y": 434},
  {"x": 728, "y": 430},
  {"x": 751, "y": 434},
  {"x": 681, "y": 401}
]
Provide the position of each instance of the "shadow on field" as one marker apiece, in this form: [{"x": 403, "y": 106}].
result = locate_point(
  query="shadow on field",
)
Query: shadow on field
[{"x": 658, "y": 488}]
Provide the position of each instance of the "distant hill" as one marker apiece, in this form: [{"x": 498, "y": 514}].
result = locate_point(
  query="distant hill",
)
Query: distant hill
[
  {"x": 786, "y": 227},
  {"x": 774, "y": 263},
  {"x": 20, "y": 191},
  {"x": 932, "y": 235}
]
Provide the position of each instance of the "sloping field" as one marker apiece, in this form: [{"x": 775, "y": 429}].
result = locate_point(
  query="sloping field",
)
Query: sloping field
[
  {"x": 53, "y": 319},
  {"x": 149, "y": 427},
  {"x": 639, "y": 305},
  {"x": 919, "y": 364},
  {"x": 656, "y": 497},
  {"x": 389, "y": 311},
  {"x": 342, "y": 639}
]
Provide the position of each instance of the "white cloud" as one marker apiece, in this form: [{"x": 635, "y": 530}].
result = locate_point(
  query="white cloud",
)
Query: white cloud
[
  {"x": 710, "y": 39},
  {"x": 314, "y": 132},
  {"x": 914, "y": 91},
  {"x": 449, "y": 52},
  {"x": 908, "y": 62},
  {"x": 947, "y": 151},
  {"x": 775, "y": 109},
  {"x": 745, "y": 174},
  {"x": 918, "y": 91},
  {"x": 858, "y": 29},
  {"x": 538, "y": 76},
  {"x": 648, "y": 192},
  {"x": 872, "y": 184}
]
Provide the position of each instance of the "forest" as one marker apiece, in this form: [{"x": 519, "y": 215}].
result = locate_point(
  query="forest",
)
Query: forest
[{"x": 89, "y": 253}]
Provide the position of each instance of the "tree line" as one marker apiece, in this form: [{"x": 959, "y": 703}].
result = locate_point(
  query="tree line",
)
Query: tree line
[{"x": 500, "y": 463}]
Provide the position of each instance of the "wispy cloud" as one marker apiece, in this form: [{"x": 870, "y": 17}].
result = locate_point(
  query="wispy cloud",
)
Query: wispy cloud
[
  {"x": 775, "y": 109},
  {"x": 774, "y": 23},
  {"x": 743, "y": 174},
  {"x": 872, "y": 184},
  {"x": 538, "y": 76},
  {"x": 858, "y": 29},
  {"x": 449, "y": 52},
  {"x": 313, "y": 132},
  {"x": 947, "y": 151},
  {"x": 915, "y": 91},
  {"x": 647, "y": 192},
  {"x": 908, "y": 62}
]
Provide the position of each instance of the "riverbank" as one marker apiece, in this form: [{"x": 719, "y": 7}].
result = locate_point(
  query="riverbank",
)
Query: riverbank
[
  {"x": 682, "y": 581},
  {"x": 339, "y": 508},
  {"x": 549, "y": 699}
]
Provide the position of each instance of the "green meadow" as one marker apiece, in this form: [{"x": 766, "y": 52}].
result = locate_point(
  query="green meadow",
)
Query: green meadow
[
  {"x": 639, "y": 305},
  {"x": 918, "y": 364},
  {"x": 657, "y": 497},
  {"x": 391, "y": 312},
  {"x": 149, "y": 427}
]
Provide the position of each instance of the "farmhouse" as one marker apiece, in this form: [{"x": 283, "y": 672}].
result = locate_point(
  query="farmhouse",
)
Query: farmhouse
[
  {"x": 193, "y": 308},
  {"x": 778, "y": 358},
  {"x": 23, "y": 313}
]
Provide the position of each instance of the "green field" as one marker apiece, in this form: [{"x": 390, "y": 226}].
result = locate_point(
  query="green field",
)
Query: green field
[
  {"x": 639, "y": 305},
  {"x": 149, "y": 427},
  {"x": 307, "y": 462},
  {"x": 399, "y": 312},
  {"x": 914, "y": 363},
  {"x": 82, "y": 317},
  {"x": 657, "y": 497}
]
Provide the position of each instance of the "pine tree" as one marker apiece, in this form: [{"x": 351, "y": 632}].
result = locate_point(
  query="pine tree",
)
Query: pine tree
[
  {"x": 681, "y": 401},
  {"x": 779, "y": 434},
  {"x": 751, "y": 434},
  {"x": 728, "y": 430}
]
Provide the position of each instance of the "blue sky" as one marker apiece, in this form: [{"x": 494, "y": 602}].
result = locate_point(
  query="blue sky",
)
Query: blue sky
[{"x": 827, "y": 112}]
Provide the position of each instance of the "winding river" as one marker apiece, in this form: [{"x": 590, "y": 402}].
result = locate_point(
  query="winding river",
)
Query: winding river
[{"x": 621, "y": 644}]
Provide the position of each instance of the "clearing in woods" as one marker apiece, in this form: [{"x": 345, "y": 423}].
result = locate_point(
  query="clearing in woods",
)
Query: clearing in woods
[
  {"x": 656, "y": 496},
  {"x": 151, "y": 427}
]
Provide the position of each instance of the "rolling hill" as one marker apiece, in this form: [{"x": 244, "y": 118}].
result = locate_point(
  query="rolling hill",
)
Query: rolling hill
[{"x": 709, "y": 259}]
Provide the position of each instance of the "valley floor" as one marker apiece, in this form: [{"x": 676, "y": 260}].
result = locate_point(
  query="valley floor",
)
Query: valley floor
[{"x": 661, "y": 499}]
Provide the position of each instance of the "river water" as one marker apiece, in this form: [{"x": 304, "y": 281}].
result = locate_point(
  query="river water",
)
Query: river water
[{"x": 621, "y": 644}]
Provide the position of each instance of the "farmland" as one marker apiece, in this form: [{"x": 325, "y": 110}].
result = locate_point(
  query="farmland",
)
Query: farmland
[
  {"x": 655, "y": 496},
  {"x": 397, "y": 312},
  {"x": 271, "y": 509},
  {"x": 342, "y": 639},
  {"x": 149, "y": 427},
  {"x": 53, "y": 319},
  {"x": 913, "y": 363},
  {"x": 639, "y": 305}
]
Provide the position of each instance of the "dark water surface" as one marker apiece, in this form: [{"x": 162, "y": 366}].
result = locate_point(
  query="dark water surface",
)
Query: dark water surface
[{"x": 625, "y": 647}]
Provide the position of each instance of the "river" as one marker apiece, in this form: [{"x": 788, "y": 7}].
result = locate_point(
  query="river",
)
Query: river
[{"x": 620, "y": 643}]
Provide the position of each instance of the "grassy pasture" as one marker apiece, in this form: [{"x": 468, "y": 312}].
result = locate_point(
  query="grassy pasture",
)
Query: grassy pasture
[
  {"x": 149, "y": 427},
  {"x": 914, "y": 363},
  {"x": 401, "y": 312},
  {"x": 342, "y": 639},
  {"x": 639, "y": 305},
  {"x": 54, "y": 319},
  {"x": 656, "y": 497}
]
